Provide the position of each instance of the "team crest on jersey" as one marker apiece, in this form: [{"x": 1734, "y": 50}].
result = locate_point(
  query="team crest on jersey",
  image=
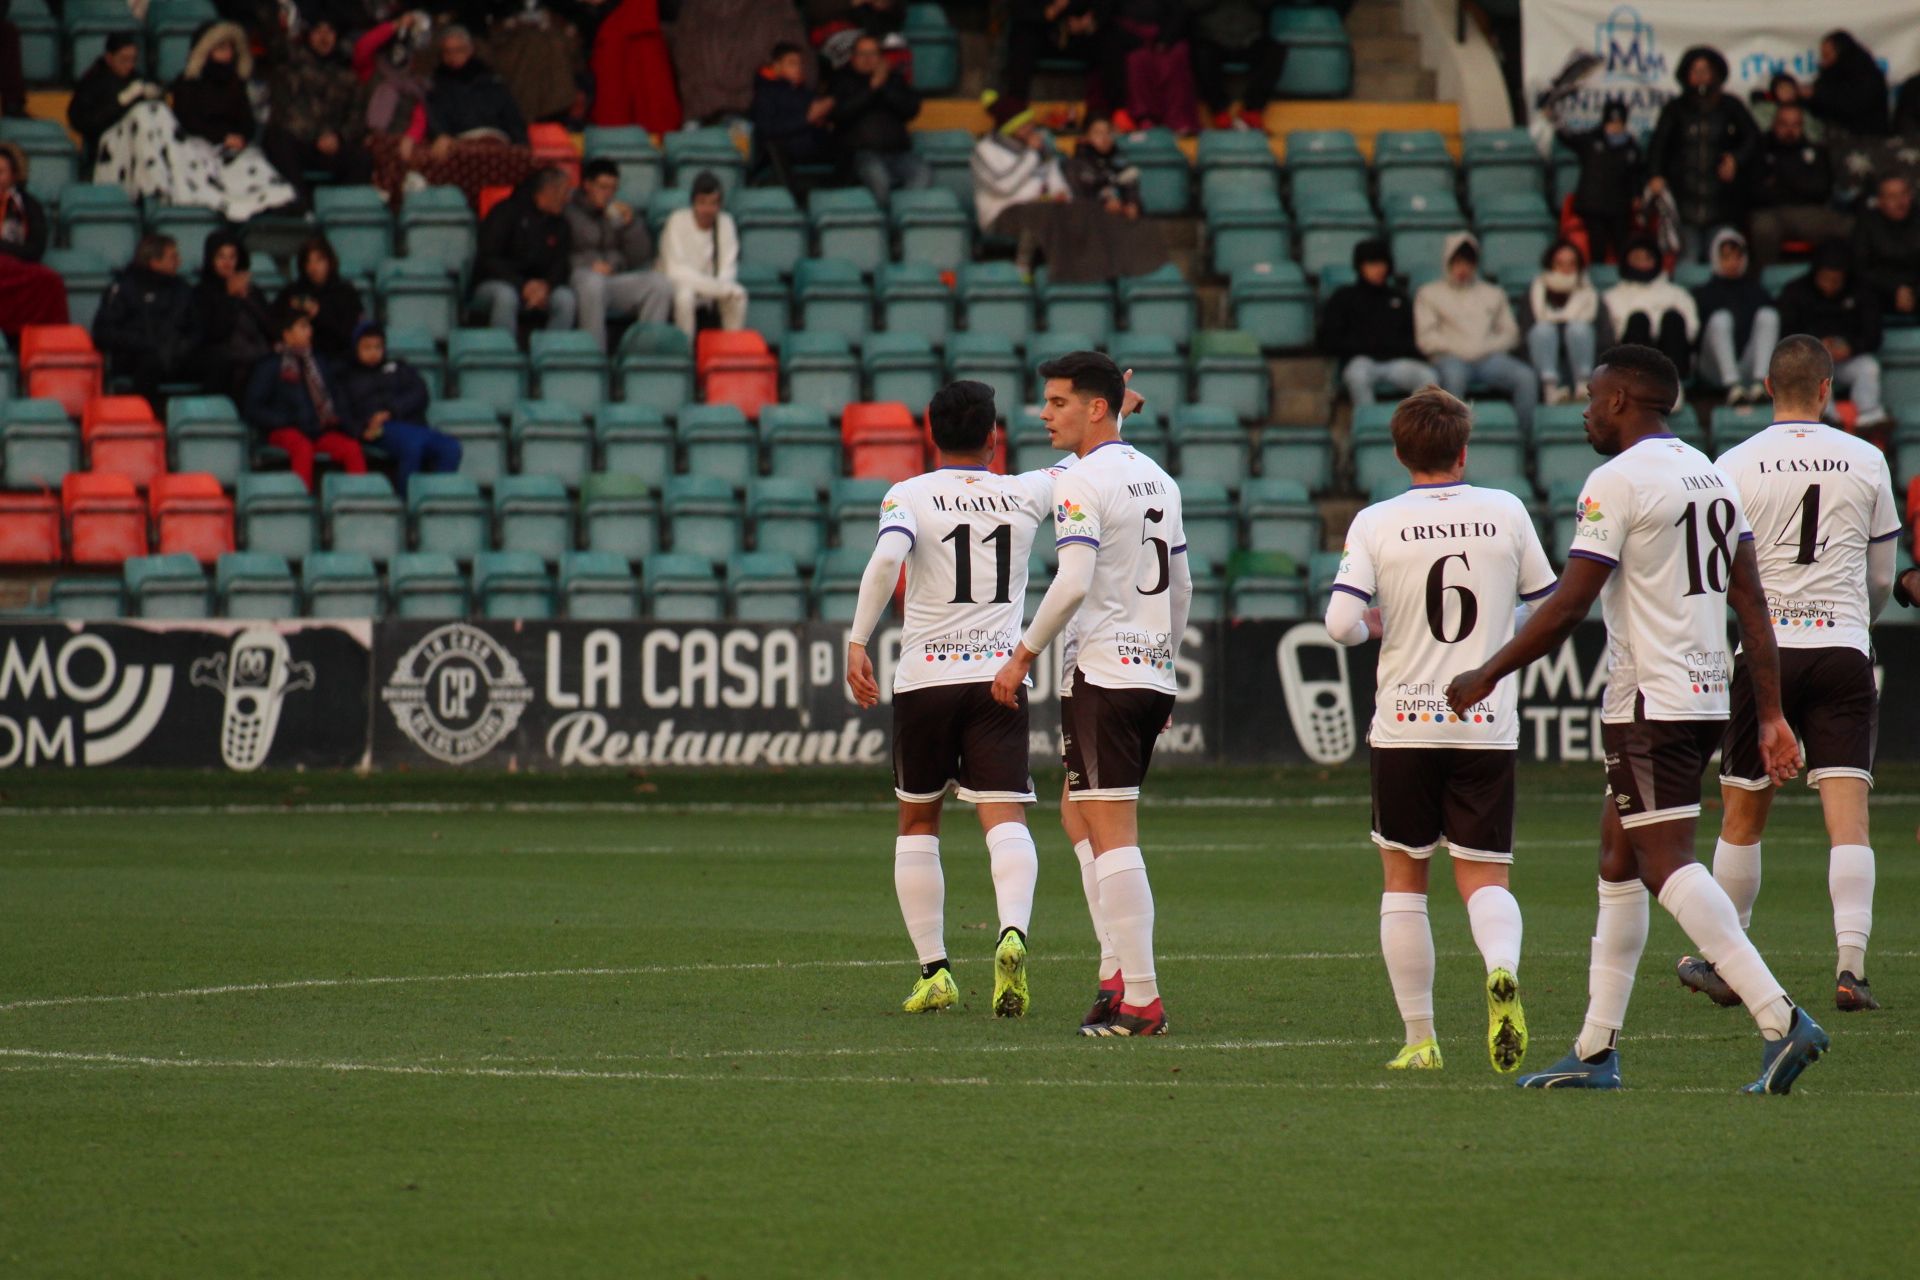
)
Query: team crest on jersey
[{"x": 1069, "y": 512}]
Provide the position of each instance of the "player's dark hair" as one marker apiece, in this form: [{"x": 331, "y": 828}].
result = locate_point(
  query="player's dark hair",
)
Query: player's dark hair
[
  {"x": 1430, "y": 428},
  {"x": 961, "y": 416},
  {"x": 1656, "y": 380},
  {"x": 599, "y": 167},
  {"x": 1800, "y": 364},
  {"x": 1092, "y": 375}
]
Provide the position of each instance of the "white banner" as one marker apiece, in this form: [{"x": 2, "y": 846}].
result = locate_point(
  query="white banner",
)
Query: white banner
[{"x": 1640, "y": 45}]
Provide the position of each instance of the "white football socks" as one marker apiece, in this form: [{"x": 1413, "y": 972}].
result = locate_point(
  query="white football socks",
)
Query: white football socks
[
  {"x": 923, "y": 894},
  {"x": 1619, "y": 936},
  {"x": 1850, "y": 881},
  {"x": 1406, "y": 940},
  {"x": 1126, "y": 906},
  {"x": 1016, "y": 866},
  {"x": 1090, "y": 884},
  {"x": 1494, "y": 915},
  {"x": 1737, "y": 868},
  {"x": 1704, "y": 911}
]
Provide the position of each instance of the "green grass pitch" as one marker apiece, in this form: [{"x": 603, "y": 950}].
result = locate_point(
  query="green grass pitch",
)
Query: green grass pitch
[{"x": 480, "y": 1026}]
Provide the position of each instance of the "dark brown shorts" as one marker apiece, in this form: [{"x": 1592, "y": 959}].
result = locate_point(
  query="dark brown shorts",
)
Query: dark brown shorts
[
  {"x": 1829, "y": 699},
  {"x": 1107, "y": 736},
  {"x": 1654, "y": 767},
  {"x": 957, "y": 735},
  {"x": 1423, "y": 795}
]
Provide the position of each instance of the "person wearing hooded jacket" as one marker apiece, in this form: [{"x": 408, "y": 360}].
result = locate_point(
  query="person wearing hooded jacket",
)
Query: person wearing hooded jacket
[
  {"x": 1833, "y": 305},
  {"x": 1649, "y": 309},
  {"x": 1850, "y": 93},
  {"x": 148, "y": 325},
  {"x": 324, "y": 296},
  {"x": 386, "y": 404},
  {"x": 1612, "y": 171},
  {"x": 1740, "y": 326},
  {"x": 296, "y": 402},
  {"x": 1564, "y": 306},
  {"x": 236, "y": 325},
  {"x": 1702, "y": 150},
  {"x": 1465, "y": 326},
  {"x": 1368, "y": 327}
]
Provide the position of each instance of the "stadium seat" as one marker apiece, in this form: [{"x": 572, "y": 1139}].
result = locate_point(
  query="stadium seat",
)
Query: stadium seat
[
  {"x": 170, "y": 586},
  {"x": 483, "y": 441},
  {"x": 1264, "y": 585},
  {"x": 1372, "y": 448},
  {"x": 448, "y": 515},
  {"x": 765, "y": 586},
  {"x": 682, "y": 588},
  {"x": 38, "y": 445},
  {"x": 736, "y": 370},
  {"x": 1297, "y": 453},
  {"x": 913, "y": 298},
  {"x": 1211, "y": 445},
  {"x": 570, "y": 367},
  {"x": 934, "y": 230},
  {"x": 631, "y": 147},
  {"x": 30, "y": 529},
  {"x": 801, "y": 444},
  {"x": 703, "y": 516},
  {"x": 836, "y": 584},
  {"x": 486, "y": 365},
  {"x": 1159, "y": 372},
  {"x": 854, "y": 508},
  {"x": 87, "y": 276},
  {"x": 1212, "y": 524},
  {"x": 533, "y": 514},
  {"x": 996, "y": 300},
  {"x": 357, "y": 222},
  {"x": 363, "y": 514},
  {"x": 1325, "y": 159},
  {"x": 769, "y": 306},
  {"x": 620, "y": 515},
  {"x": 1228, "y": 370},
  {"x": 553, "y": 439},
  {"x": 936, "y": 49},
  {"x": 1087, "y": 309},
  {"x": 1246, "y": 229},
  {"x": 1246, "y": 153},
  {"x": 830, "y": 297},
  {"x": 1274, "y": 303},
  {"x": 40, "y": 59},
  {"x": 1562, "y": 455},
  {"x": 1280, "y": 518},
  {"x": 340, "y": 584},
  {"x": 87, "y": 599},
  {"x": 773, "y": 231},
  {"x": 634, "y": 440},
  {"x": 205, "y": 434},
  {"x": 58, "y": 362},
  {"x": 821, "y": 372},
  {"x": 848, "y": 226},
  {"x": 438, "y": 229},
  {"x": 255, "y": 584},
  {"x": 191, "y": 514},
  {"x": 663, "y": 203},
  {"x": 427, "y": 585},
  {"x": 1043, "y": 347},
  {"x": 1147, "y": 432},
  {"x": 418, "y": 292},
  {"x": 106, "y": 518},
  {"x": 1319, "y": 55},
  {"x": 598, "y": 586},
  {"x": 950, "y": 153},
  {"x": 1161, "y": 302},
  {"x": 717, "y": 442},
  {"x": 1900, "y": 368},
  {"x": 1028, "y": 446},
  {"x": 512, "y": 584},
  {"x": 1166, "y": 179},
  {"x": 123, "y": 437},
  {"x": 1512, "y": 255},
  {"x": 690, "y": 150},
  {"x": 900, "y": 366},
  {"x": 786, "y": 516},
  {"x": 100, "y": 218},
  {"x": 1330, "y": 228},
  {"x": 883, "y": 441},
  {"x": 1501, "y": 162},
  {"x": 655, "y": 362},
  {"x": 1419, "y": 224},
  {"x": 9, "y": 374},
  {"x": 1412, "y": 160},
  {"x": 990, "y": 358},
  {"x": 1731, "y": 424},
  {"x": 52, "y": 160}
]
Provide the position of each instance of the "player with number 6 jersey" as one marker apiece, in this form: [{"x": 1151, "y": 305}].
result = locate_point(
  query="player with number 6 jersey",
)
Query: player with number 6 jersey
[{"x": 1450, "y": 564}]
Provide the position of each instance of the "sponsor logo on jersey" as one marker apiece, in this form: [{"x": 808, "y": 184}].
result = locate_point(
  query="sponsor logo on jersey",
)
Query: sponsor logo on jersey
[
  {"x": 887, "y": 507},
  {"x": 1069, "y": 512},
  {"x": 1588, "y": 519},
  {"x": 1803, "y": 613},
  {"x": 1709, "y": 670}
]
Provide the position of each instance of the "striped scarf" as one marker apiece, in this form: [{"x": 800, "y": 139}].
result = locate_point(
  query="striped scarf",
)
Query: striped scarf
[{"x": 300, "y": 360}]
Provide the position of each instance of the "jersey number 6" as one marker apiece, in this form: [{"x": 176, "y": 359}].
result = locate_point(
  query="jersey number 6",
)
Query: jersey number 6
[{"x": 1437, "y": 589}]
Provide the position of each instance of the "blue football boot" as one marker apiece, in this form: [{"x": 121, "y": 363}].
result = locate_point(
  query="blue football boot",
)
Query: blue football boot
[
  {"x": 1576, "y": 1072},
  {"x": 1782, "y": 1060}
]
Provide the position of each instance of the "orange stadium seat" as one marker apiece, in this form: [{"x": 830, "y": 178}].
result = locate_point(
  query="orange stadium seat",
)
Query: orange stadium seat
[
  {"x": 491, "y": 196},
  {"x": 735, "y": 367},
  {"x": 60, "y": 363},
  {"x": 106, "y": 520},
  {"x": 191, "y": 514},
  {"x": 123, "y": 437},
  {"x": 29, "y": 528},
  {"x": 553, "y": 145},
  {"x": 883, "y": 441}
]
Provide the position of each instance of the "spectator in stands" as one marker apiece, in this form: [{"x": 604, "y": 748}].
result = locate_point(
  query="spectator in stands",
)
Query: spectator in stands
[
  {"x": 29, "y": 292},
  {"x": 1095, "y": 172},
  {"x": 1850, "y": 93},
  {"x": 467, "y": 101},
  {"x": 1159, "y": 64},
  {"x": 1081, "y": 29},
  {"x": 700, "y": 256},
  {"x": 1465, "y": 327},
  {"x": 108, "y": 89},
  {"x": 458, "y": 127},
  {"x": 1565, "y": 307},
  {"x": 294, "y": 400},
  {"x": 321, "y": 294},
  {"x": 1612, "y": 172},
  {"x": 386, "y": 404},
  {"x": 235, "y": 323},
  {"x": 1829, "y": 303},
  {"x": 788, "y": 117},
  {"x": 389, "y": 62},
  {"x": 1367, "y": 326},
  {"x": 319, "y": 118},
  {"x": 1649, "y": 309},
  {"x": 1794, "y": 189},
  {"x": 525, "y": 258},
  {"x": 633, "y": 70},
  {"x": 1887, "y": 247},
  {"x": 1703, "y": 146},
  {"x": 210, "y": 98},
  {"x": 539, "y": 57},
  {"x": 1740, "y": 326},
  {"x": 719, "y": 45},
  {"x": 612, "y": 255},
  {"x": 13, "y": 82},
  {"x": 872, "y": 104},
  {"x": 148, "y": 325},
  {"x": 1784, "y": 91},
  {"x": 1223, "y": 31}
]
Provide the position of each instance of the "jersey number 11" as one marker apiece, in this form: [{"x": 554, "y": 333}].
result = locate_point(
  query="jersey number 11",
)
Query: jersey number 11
[{"x": 1001, "y": 539}]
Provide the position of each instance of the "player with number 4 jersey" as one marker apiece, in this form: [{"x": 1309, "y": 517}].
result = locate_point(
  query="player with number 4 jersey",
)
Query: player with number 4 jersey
[{"x": 1450, "y": 564}]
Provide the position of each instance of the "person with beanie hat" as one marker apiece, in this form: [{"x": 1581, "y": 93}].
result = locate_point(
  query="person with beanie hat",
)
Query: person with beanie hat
[
  {"x": 1740, "y": 326},
  {"x": 1564, "y": 307},
  {"x": 1649, "y": 309},
  {"x": 1612, "y": 171},
  {"x": 1837, "y": 308},
  {"x": 386, "y": 405},
  {"x": 1368, "y": 327},
  {"x": 1465, "y": 326}
]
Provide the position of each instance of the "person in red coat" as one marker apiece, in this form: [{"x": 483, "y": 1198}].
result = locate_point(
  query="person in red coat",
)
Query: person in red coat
[
  {"x": 29, "y": 292},
  {"x": 632, "y": 71}
]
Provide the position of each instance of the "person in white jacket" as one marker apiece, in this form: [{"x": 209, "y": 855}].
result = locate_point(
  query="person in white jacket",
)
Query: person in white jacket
[
  {"x": 1649, "y": 309},
  {"x": 1465, "y": 328},
  {"x": 700, "y": 256},
  {"x": 1015, "y": 164},
  {"x": 1564, "y": 306}
]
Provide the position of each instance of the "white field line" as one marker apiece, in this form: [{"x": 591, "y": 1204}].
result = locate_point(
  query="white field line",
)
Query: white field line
[
  {"x": 56, "y": 1060},
  {"x": 1360, "y": 844}
]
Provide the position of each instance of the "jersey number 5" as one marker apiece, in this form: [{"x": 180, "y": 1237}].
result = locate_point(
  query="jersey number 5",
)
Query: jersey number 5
[
  {"x": 1719, "y": 551},
  {"x": 1155, "y": 516},
  {"x": 1437, "y": 590},
  {"x": 1001, "y": 539}
]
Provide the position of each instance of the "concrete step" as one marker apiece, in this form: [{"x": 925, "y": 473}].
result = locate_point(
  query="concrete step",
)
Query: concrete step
[
  {"x": 1383, "y": 51},
  {"x": 1375, "y": 18},
  {"x": 1393, "y": 83}
]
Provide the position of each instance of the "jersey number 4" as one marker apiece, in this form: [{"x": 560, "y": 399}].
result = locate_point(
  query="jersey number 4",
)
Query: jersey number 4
[
  {"x": 1803, "y": 534},
  {"x": 1718, "y": 553},
  {"x": 1001, "y": 540}
]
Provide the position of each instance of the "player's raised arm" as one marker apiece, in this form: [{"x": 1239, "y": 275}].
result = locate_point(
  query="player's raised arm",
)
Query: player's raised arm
[{"x": 1779, "y": 750}]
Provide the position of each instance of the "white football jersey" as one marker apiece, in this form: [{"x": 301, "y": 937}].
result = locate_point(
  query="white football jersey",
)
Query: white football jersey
[
  {"x": 1448, "y": 564},
  {"x": 1118, "y": 501},
  {"x": 1816, "y": 497},
  {"x": 967, "y": 572},
  {"x": 1670, "y": 522}
]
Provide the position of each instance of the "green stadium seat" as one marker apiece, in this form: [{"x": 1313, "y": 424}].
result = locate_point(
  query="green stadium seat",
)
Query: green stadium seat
[
  {"x": 1280, "y": 517},
  {"x": 1166, "y": 179},
  {"x": 40, "y": 61},
  {"x": 801, "y": 444},
  {"x": 169, "y": 586},
  {"x": 255, "y": 584},
  {"x": 1043, "y": 347},
  {"x": 1502, "y": 162},
  {"x": 449, "y": 515},
  {"x": 1077, "y": 308},
  {"x": 836, "y": 584},
  {"x": 933, "y": 228},
  {"x": 52, "y": 159},
  {"x": 1731, "y": 424},
  {"x": 682, "y": 588},
  {"x": 1212, "y": 524},
  {"x": 1319, "y": 56},
  {"x": 416, "y": 346},
  {"x": 689, "y": 151},
  {"x": 1211, "y": 445},
  {"x": 87, "y": 599},
  {"x": 1265, "y": 585},
  {"x": 1372, "y": 448},
  {"x": 1512, "y": 255},
  {"x": 765, "y": 586},
  {"x": 1325, "y": 160},
  {"x": 769, "y": 307},
  {"x": 950, "y": 153},
  {"x": 703, "y": 517},
  {"x": 1410, "y": 160},
  {"x": 363, "y": 514},
  {"x": 663, "y": 203},
  {"x": 552, "y": 438},
  {"x": 631, "y": 147},
  {"x": 1162, "y": 302},
  {"x": 787, "y": 518},
  {"x": 913, "y": 298},
  {"x": 438, "y": 229},
  {"x": 990, "y": 358},
  {"x": 902, "y": 367},
  {"x": 87, "y": 276},
  {"x": 620, "y": 515},
  {"x": 1028, "y": 446},
  {"x": 1147, "y": 432},
  {"x": 1229, "y": 370},
  {"x": 773, "y": 231},
  {"x": 418, "y": 293},
  {"x": 820, "y": 371},
  {"x": 655, "y": 362},
  {"x": 1247, "y": 230},
  {"x": 996, "y": 300},
  {"x": 486, "y": 365},
  {"x": 100, "y": 218},
  {"x": 204, "y": 433},
  {"x": 831, "y": 297},
  {"x": 853, "y": 505},
  {"x": 1329, "y": 231},
  {"x": 276, "y": 514},
  {"x": 1322, "y": 568},
  {"x": 483, "y": 441},
  {"x": 1297, "y": 453},
  {"x": 427, "y": 585},
  {"x": 599, "y": 586},
  {"x": 512, "y": 584},
  {"x": 533, "y": 514},
  {"x": 1274, "y": 303},
  {"x": 936, "y": 49},
  {"x": 357, "y": 222},
  {"x": 1562, "y": 455},
  {"x": 571, "y": 368},
  {"x": 39, "y": 445},
  {"x": 634, "y": 440},
  {"x": 718, "y": 442},
  {"x": 340, "y": 584},
  {"x": 1159, "y": 372},
  {"x": 849, "y": 227}
]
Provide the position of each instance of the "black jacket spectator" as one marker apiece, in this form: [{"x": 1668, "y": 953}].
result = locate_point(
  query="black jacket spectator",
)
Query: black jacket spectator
[
  {"x": 1850, "y": 92},
  {"x": 235, "y": 325},
  {"x": 1611, "y": 173},
  {"x": 23, "y": 220},
  {"x": 780, "y": 121},
  {"x": 870, "y": 119},
  {"x": 330, "y": 302},
  {"x": 103, "y": 95},
  {"x": 210, "y": 97},
  {"x": 1099, "y": 175},
  {"x": 1853, "y": 313},
  {"x": 1741, "y": 297},
  {"x": 1694, "y": 131},
  {"x": 1793, "y": 173},
  {"x": 1886, "y": 250},
  {"x": 277, "y": 397},
  {"x": 393, "y": 387},
  {"x": 1361, "y": 319},
  {"x": 519, "y": 243},
  {"x": 148, "y": 327},
  {"x": 473, "y": 97}
]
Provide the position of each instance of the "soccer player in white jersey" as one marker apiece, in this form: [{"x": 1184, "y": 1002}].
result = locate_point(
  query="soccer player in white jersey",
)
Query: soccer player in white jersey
[
  {"x": 1123, "y": 571},
  {"x": 1450, "y": 564},
  {"x": 1662, "y": 541},
  {"x": 1825, "y": 524}
]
